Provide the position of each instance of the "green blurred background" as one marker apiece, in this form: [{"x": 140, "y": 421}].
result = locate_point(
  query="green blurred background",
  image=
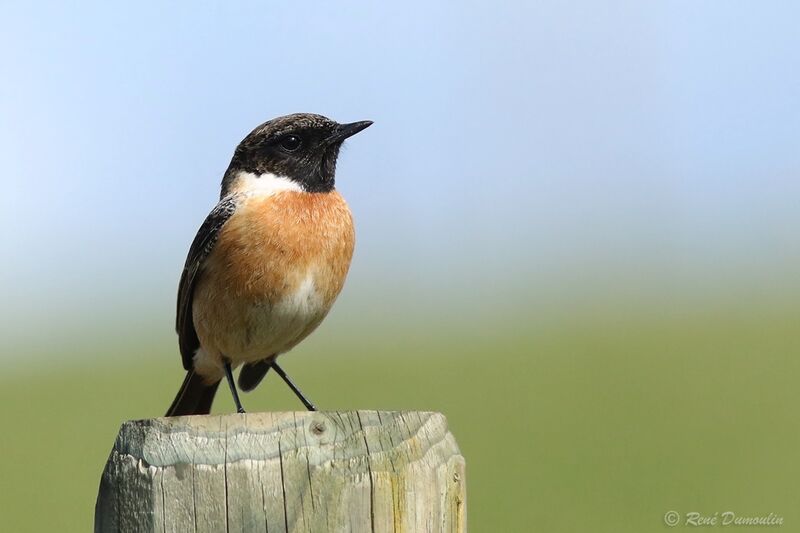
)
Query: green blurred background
[{"x": 576, "y": 238}]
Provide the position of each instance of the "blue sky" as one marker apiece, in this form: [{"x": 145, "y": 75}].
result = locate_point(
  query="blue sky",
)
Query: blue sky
[{"x": 537, "y": 145}]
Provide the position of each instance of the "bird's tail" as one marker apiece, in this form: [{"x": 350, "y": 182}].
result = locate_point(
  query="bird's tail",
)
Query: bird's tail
[{"x": 194, "y": 397}]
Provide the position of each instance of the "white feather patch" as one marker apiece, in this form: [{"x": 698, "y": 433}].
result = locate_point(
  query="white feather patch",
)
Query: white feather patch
[
  {"x": 304, "y": 303},
  {"x": 263, "y": 184}
]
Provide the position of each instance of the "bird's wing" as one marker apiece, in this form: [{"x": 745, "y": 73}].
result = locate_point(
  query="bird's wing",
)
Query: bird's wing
[{"x": 201, "y": 247}]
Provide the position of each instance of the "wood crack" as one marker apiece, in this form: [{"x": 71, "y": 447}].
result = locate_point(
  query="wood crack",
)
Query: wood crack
[
  {"x": 163, "y": 504},
  {"x": 225, "y": 477},
  {"x": 369, "y": 471},
  {"x": 283, "y": 488}
]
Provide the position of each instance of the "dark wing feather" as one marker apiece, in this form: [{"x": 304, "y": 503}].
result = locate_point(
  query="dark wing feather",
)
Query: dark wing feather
[{"x": 201, "y": 246}]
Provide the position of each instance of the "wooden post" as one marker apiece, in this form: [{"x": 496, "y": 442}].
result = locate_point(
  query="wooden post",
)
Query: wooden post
[{"x": 287, "y": 472}]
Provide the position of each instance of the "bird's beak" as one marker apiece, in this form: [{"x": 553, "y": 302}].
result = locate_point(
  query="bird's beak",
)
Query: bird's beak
[{"x": 343, "y": 131}]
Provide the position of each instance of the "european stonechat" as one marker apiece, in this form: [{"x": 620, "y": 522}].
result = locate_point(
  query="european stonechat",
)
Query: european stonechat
[{"x": 268, "y": 262}]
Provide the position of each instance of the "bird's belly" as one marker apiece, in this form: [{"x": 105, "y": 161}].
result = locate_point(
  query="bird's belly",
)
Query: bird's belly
[
  {"x": 276, "y": 327},
  {"x": 248, "y": 328},
  {"x": 267, "y": 284}
]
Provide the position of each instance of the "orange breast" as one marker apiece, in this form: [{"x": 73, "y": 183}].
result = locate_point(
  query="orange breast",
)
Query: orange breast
[{"x": 265, "y": 253}]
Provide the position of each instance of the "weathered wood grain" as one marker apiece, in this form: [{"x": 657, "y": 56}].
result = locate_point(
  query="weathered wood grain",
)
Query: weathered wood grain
[{"x": 285, "y": 472}]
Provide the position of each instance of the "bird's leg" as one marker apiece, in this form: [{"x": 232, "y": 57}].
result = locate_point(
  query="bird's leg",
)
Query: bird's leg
[
  {"x": 282, "y": 374},
  {"x": 232, "y": 385}
]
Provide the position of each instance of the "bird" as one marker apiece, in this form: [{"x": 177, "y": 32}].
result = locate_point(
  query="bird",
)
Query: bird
[{"x": 267, "y": 263}]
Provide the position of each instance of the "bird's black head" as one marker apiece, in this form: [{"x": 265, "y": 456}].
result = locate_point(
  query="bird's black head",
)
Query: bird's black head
[{"x": 302, "y": 148}]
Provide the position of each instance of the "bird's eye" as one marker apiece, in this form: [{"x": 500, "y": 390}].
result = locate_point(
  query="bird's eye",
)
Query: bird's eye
[{"x": 291, "y": 143}]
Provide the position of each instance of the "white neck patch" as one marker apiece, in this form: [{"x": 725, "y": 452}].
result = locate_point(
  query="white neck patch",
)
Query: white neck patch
[{"x": 263, "y": 184}]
